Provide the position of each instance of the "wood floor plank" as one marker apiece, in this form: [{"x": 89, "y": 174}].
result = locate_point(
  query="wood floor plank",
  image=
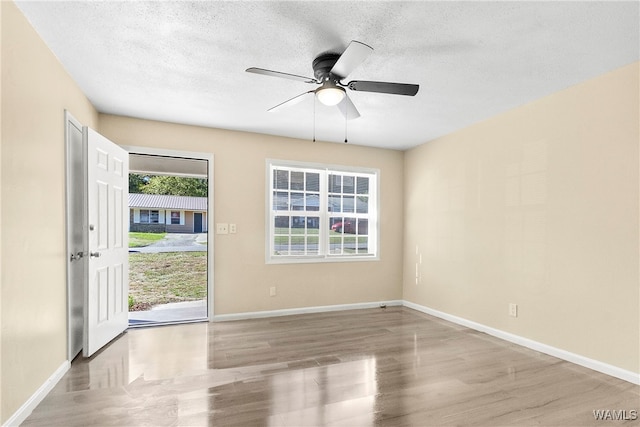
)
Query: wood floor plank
[{"x": 386, "y": 367}]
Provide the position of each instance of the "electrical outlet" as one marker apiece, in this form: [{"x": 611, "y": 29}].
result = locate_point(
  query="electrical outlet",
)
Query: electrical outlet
[
  {"x": 513, "y": 310},
  {"x": 222, "y": 228},
  {"x": 272, "y": 291},
  {"x": 232, "y": 228}
]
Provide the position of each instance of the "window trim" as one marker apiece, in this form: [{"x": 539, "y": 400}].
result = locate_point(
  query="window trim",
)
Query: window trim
[
  {"x": 171, "y": 218},
  {"x": 324, "y": 167},
  {"x": 149, "y": 217}
]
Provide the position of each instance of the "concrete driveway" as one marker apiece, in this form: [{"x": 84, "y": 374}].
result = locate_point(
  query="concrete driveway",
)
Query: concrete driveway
[{"x": 176, "y": 242}]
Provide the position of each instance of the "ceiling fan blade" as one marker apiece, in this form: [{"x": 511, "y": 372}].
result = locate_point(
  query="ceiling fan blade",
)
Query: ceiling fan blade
[
  {"x": 288, "y": 103},
  {"x": 352, "y": 56},
  {"x": 281, "y": 75},
  {"x": 384, "y": 87},
  {"x": 348, "y": 110}
]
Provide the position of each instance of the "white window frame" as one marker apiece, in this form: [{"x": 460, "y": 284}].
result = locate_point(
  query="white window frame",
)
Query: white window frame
[
  {"x": 324, "y": 214},
  {"x": 149, "y": 217},
  {"x": 180, "y": 217}
]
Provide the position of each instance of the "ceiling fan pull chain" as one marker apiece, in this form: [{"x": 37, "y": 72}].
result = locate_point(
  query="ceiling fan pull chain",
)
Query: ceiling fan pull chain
[
  {"x": 330, "y": 70},
  {"x": 346, "y": 112}
]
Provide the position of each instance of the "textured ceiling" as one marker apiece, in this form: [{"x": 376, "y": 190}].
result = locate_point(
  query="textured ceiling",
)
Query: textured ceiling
[{"x": 184, "y": 62}]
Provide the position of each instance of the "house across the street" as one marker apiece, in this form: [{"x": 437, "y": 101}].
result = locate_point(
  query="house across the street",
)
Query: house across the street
[{"x": 171, "y": 214}]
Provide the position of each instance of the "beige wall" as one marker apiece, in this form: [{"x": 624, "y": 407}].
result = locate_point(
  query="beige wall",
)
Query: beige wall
[
  {"x": 242, "y": 279},
  {"x": 35, "y": 92},
  {"x": 539, "y": 207}
]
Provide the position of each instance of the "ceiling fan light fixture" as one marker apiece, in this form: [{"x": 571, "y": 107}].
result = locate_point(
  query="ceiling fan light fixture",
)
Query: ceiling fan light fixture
[
  {"x": 330, "y": 94},
  {"x": 330, "y": 69}
]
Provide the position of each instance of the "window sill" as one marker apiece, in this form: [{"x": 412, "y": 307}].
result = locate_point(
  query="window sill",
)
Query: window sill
[{"x": 321, "y": 259}]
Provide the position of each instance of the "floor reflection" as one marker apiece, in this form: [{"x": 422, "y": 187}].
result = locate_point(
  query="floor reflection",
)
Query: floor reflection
[{"x": 354, "y": 368}]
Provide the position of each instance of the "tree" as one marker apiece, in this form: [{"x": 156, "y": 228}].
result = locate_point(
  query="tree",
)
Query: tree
[
  {"x": 137, "y": 182},
  {"x": 175, "y": 186}
]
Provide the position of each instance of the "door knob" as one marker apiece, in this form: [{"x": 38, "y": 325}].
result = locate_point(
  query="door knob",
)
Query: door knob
[
  {"x": 75, "y": 257},
  {"x": 94, "y": 254}
]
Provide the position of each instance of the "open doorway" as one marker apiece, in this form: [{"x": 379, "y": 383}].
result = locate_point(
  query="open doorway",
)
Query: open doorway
[{"x": 168, "y": 239}]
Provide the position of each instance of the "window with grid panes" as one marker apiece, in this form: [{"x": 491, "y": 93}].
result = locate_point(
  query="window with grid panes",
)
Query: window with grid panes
[
  {"x": 149, "y": 216},
  {"x": 175, "y": 217},
  {"x": 319, "y": 213}
]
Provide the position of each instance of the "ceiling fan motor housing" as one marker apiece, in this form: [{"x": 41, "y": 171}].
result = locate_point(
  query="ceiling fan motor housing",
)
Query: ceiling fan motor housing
[{"x": 322, "y": 66}]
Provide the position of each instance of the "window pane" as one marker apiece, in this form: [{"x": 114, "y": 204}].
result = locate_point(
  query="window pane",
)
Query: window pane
[
  {"x": 334, "y": 204},
  {"x": 281, "y": 245},
  {"x": 335, "y": 183},
  {"x": 337, "y": 224},
  {"x": 153, "y": 217},
  {"x": 313, "y": 181},
  {"x": 313, "y": 202},
  {"x": 349, "y": 226},
  {"x": 363, "y": 245},
  {"x": 362, "y": 185},
  {"x": 281, "y": 179},
  {"x": 297, "y": 245},
  {"x": 144, "y": 216},
  {"x": 348, "y": 184},
  {"x": 280, "y": 201},
  {"x": 297, "y": 201},
  {"x": 298, "y": 224},
  {"x": 348, "y": 204},
  {"x": 313, "y": 225},
  {"x": 363, "y": 226},
  {"x": 297, "y": 180},
  {"x": 335, "y": 245},
  {"x": 362, "y": 204},
  {"x": 349, "y": 244},
  {"x": 313, "y": 247},
  {"x": 281, "y": 224}
]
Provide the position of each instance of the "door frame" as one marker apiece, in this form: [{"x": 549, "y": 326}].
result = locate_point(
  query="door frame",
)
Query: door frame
[
  {"x": 70, "y": 119},
  {"x": 209, "y": 157}
]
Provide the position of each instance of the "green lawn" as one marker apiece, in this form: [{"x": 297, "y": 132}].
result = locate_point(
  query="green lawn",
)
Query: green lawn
[
  {"x": 312, "y": 238},
  {"x": 297, "y": 237},
  {"x": 138, "y": 240},
  {"x": 285, "y": 230},
  {"x": 162, "y": 278}
]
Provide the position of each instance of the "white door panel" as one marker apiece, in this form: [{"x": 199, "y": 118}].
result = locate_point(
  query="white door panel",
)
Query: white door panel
[{"x": 106, "y": 308}]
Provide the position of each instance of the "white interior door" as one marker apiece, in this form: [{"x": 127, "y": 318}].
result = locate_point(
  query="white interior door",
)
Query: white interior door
[{"x": 106, "y": 309}]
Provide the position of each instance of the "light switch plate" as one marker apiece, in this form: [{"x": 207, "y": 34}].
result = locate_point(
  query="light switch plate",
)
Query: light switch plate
[{"x": 222, "y": 228}]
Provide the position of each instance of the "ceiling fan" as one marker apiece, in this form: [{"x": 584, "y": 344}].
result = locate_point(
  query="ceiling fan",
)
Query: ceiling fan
[{"x": 329, "y": 70}]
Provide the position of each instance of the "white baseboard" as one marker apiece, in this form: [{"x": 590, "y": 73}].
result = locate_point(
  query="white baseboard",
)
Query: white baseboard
[
  {"x": 596, "y": 365},
  {"x": 303, "y": 310},
  {"x": 27, "y": 408}
]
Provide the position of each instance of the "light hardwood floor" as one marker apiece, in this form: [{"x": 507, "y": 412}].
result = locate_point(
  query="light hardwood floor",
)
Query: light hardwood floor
[{"x": 391, "y": 366}]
